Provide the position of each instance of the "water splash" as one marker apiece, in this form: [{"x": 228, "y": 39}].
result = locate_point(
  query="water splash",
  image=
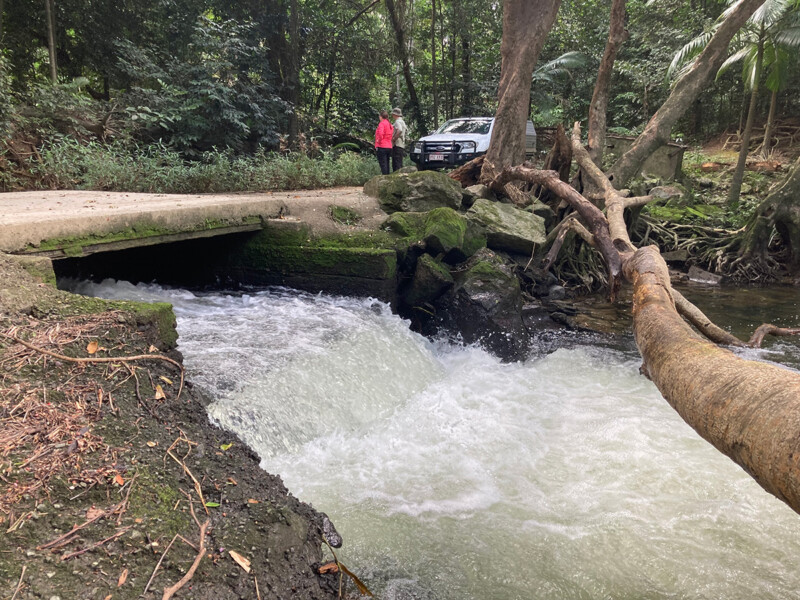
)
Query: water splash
[{"x": 454, "y": 476}]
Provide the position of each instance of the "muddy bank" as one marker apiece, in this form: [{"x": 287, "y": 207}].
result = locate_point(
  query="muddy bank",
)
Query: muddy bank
[{"x": 103, "y": 466}]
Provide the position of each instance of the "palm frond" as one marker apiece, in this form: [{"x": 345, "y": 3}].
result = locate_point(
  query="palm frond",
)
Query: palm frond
[
  {"x": 770, "y": 12},
  {"x": 688, "y": 53},
  {"x": 789, "y": 37},
  {"x": 778, "y": 69},
  {"x": 559, "y": 66},
  {"x": 733, "y": 59}
]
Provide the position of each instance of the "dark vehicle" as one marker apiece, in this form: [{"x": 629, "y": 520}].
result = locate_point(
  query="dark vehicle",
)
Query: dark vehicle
[{"x": 458, "y": 141}]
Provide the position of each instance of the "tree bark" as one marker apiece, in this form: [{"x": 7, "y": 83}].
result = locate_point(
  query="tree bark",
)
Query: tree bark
[
  {"x": 526, "y": 24},
  {"x": 293, "y": 74},
  {"x": 49, "y": 10},
  {"x": 738, "y": 173},
  {"x": 657, "y": 130},
  {"x": 433, "y": 65},
  {"x": 617, "y": 34},
  {"x": 766, "y": 145},
  {"x": 399, "y": 31}
]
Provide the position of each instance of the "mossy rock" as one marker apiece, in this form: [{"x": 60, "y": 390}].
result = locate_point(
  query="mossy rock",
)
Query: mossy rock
[
  {"x": 508, "y": 228},
  {"x": 490, "y": 282},
  {"x": 414, "y": 192},
  {"x": 431, "y": 280},
  {"x": 444, "y": 232}
]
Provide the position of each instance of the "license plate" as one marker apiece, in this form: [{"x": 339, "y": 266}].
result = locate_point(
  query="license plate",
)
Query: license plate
[{"x": 432, "y": 157}]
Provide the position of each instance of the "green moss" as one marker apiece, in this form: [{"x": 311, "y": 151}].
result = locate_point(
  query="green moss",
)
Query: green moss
[
  {"x": 159, "y": 315},
  {"x": 406, "y": 224},
  {"x": 73, "y": 246},
  {"x": 38, "y": 266},
  {"x": 344, "y": 215},
  {"x": 444, "y": 231}
]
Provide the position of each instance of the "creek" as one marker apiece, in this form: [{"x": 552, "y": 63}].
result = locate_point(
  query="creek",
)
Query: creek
[{"x": 454, "y": 476}]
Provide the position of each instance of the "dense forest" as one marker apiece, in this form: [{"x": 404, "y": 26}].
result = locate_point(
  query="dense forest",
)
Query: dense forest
[{"x": 197, "y": 75}]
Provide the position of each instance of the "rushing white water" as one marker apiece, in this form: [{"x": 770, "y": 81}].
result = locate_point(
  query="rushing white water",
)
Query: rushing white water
[{"x": 451, "y": 475}]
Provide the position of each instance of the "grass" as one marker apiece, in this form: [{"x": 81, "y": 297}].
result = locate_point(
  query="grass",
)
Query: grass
[{"x": 70, "y": 164}]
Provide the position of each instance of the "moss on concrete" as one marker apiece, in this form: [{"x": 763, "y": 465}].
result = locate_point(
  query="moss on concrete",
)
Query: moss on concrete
[{"x": 73, "y": 246}]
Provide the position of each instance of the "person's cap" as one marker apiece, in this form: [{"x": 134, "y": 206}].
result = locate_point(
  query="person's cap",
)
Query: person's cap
[{"x": 397, "y": 111}]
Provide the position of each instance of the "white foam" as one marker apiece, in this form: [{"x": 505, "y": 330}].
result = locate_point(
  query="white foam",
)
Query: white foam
[{"x": 563, "y": 477}]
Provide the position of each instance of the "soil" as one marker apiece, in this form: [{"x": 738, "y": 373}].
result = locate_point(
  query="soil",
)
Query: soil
[{"x": 134, "y": 474}]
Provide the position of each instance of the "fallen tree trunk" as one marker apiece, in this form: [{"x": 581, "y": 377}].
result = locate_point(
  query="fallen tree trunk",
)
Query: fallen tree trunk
[{"x": 749, "y": 411}]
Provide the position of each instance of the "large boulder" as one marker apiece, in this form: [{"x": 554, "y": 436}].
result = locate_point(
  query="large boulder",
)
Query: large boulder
[
  {"x": 443, "y": 231},
  {"x": 508, "y": 228},
  {"x": 485, "y": 306},
  {"x": 414, "y": 192},
  {"x": 431, "y": 280}
]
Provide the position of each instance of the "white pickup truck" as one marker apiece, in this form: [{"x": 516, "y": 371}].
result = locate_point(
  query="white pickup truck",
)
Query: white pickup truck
[{"x": 459, "y": 141}]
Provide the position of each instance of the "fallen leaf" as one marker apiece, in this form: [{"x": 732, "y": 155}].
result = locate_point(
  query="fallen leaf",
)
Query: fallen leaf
[
  {"x": 329, "y": 568},
  {"x": 92, "y": 347},
  {"x": 108, "y": 597},
  {"x": 94, "y": 512},
  {"x": 152, "y": 349},
  {"x": 123, "y": 577},
  {"x": 166, "y": 380},
  {"x": 138, "y": 520},
  {"x": 232, "y": 481},
  {"x": 212, "y": 504},
  {"x": 152, "y": 444},
  {"x": 252, "y": 501},
  {"x": 118, "y": 479},
  {"x": 240, "y": 560},
  {"x": 225, "y": 446},
  {"x": 159, "y": 393}
]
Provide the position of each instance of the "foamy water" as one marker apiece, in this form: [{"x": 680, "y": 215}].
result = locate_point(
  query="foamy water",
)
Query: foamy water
[{"x": 451, "y": 475}]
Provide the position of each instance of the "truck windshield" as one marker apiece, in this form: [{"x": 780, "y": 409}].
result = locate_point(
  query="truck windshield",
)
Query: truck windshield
[{"x": 466, "y": 126}]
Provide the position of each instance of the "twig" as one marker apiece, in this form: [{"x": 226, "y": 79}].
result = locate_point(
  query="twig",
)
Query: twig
[
  {"x": 19, "y": 583},
  {"x": 158, "y": 564},
  {"x": 168, "y": 592},
  {"x": 122, "y": 531},
  {"x": 138, "y": 393},
  {"x": 197, "y": 487},
  {"x": 109, "y": 359},
  {"x": 258, "y": 593},
  {"x": 76, "y": 528},
  {"x": 124, "y": 506}
]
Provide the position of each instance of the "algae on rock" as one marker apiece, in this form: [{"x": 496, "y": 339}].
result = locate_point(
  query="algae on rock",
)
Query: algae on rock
[
  {"x": 414, "y": 192},
  {"x": 443, "y": 231},
  {"x": 507, "y": 227}
]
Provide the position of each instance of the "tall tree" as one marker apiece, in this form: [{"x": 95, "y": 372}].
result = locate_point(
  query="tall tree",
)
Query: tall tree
[
  {"x": 657, "y": 131},
  {"x": 617, "y": 34},
  {"x": 526, "y": 24},
  {"x": 434, "y": 89},
  {"x": 49, "y": 9},
  {"x": 402, "y": 52}
]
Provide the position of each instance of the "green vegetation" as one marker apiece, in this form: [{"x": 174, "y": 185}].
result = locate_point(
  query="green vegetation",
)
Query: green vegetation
[
  {"x": 344, "y": 215},
  {"x": 69, "y": 164}
]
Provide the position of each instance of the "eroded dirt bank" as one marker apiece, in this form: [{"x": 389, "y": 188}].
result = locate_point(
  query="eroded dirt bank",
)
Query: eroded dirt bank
[{"x": 109, "y": 478}]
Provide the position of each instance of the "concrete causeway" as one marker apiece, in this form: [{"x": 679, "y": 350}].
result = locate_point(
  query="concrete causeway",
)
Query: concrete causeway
[{"x": 62, "y": 223}]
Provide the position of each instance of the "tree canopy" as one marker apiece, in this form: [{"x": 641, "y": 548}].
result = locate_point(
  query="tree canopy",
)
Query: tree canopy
[{"x": 216, "y": 73}]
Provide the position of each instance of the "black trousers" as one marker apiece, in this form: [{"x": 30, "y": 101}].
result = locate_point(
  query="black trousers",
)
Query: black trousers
[
  {"x": 383, "y": 159},
  {"x": 397, "y": 157}
]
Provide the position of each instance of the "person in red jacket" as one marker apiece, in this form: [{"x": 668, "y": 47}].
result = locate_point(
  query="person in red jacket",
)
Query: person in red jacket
[{"x": 383, "y": 142}]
